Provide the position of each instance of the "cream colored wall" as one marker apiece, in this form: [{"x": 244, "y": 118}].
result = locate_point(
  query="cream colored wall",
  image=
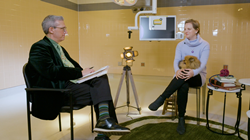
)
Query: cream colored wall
[
  {"x": 20, "y": 27},
  {"x": 103, "y": 35}
]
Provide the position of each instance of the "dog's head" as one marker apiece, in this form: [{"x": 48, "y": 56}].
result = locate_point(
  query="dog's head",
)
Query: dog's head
[{"x": 190, "y": 62}]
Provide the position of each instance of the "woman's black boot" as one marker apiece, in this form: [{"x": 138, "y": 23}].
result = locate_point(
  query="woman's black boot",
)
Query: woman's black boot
[
  {"x": 156, "y": 104},
  {"x": 181, "y": 126}
]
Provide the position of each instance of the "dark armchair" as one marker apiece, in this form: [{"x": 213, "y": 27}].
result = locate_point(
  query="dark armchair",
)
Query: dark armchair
[{"x": 33, "y": 94}]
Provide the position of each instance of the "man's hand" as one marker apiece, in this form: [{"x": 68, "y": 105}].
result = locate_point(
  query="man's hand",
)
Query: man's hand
[{"x": 87, "y": 71}]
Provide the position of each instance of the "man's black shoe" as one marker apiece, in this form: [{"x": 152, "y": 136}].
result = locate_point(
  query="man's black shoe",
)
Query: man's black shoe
[
  {"x": 102, "y": 138},
  {"x": 110, "y": 127}
]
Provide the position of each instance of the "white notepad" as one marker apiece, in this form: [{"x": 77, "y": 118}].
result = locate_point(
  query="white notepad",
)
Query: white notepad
[{"x": 98, "y": 73}]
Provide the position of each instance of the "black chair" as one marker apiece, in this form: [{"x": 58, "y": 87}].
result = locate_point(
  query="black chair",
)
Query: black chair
[{"x": 69, "y": 109}]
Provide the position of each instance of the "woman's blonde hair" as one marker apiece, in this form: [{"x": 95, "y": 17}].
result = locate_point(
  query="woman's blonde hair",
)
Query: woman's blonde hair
[{"x": 195, "y": 23}]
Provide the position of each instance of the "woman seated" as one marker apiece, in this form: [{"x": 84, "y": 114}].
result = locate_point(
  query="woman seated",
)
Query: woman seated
[{"x": 193, "y": 45}]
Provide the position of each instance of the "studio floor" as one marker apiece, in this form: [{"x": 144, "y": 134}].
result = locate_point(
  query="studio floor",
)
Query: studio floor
[{"x": 13, "y": 116}]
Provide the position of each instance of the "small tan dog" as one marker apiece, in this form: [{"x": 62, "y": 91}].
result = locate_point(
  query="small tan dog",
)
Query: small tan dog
[{"x": 190, "y": 62}]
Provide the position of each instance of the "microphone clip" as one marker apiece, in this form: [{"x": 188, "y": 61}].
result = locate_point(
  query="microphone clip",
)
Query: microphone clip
[{"x": 129, "y": 34}]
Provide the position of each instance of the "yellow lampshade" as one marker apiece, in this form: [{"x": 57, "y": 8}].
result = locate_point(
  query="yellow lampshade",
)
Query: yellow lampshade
[
  {"x": 128, "y": 48},
  {"x": 122, "y": 56},
  {"x": 129, "y": 61},
  {"x": 135, "y": 53}
]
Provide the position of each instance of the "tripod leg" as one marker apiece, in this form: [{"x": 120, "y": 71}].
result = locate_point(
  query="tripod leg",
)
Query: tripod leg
[
  {"x": 134, "y": 90},
  {"x": 127, "y": 86},
  {"x": 119, "y": 89}
]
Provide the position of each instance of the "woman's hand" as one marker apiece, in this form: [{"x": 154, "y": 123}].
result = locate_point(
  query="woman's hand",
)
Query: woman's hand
[
  {"x": 189, "y": 73},
  {"x": 184, "y": 74},
  {"x": 180, "y": 74},
  {"x": 87, "y": 71}
]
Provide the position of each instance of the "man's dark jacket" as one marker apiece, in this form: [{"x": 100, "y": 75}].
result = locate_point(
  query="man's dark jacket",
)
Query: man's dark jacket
[{"x": 45, "y": 70}]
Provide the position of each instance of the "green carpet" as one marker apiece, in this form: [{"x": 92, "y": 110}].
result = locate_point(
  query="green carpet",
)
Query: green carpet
[{"x": 167, "y": 131}]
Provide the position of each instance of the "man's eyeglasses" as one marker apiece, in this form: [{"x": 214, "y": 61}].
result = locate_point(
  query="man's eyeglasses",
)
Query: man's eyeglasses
[{"x": 63, "y": 28}]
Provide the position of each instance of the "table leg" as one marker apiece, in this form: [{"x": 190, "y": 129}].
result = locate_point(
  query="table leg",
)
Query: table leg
[
  {"x": 208, "y": 95},
  {"x": 237, "y": 124},
  {"x": 223, "y": 119}
]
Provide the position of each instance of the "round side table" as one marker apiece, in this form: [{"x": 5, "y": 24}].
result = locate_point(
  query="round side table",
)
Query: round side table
[
  {"x": 238, "y": 93},
  {"x": 246, "y": 82}
]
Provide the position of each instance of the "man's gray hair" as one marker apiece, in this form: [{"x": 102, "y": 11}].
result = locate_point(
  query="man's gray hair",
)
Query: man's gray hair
[{"x": 49, "y": 21}]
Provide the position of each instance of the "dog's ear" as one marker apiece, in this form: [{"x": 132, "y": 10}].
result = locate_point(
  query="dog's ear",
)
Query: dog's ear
[{"x": 191, "y": 59}]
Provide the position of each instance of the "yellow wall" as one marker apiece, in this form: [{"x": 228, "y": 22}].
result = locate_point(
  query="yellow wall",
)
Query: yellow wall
[
  {"x": 103, "y": 35},
  {"x": 20, "y": 27}
]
